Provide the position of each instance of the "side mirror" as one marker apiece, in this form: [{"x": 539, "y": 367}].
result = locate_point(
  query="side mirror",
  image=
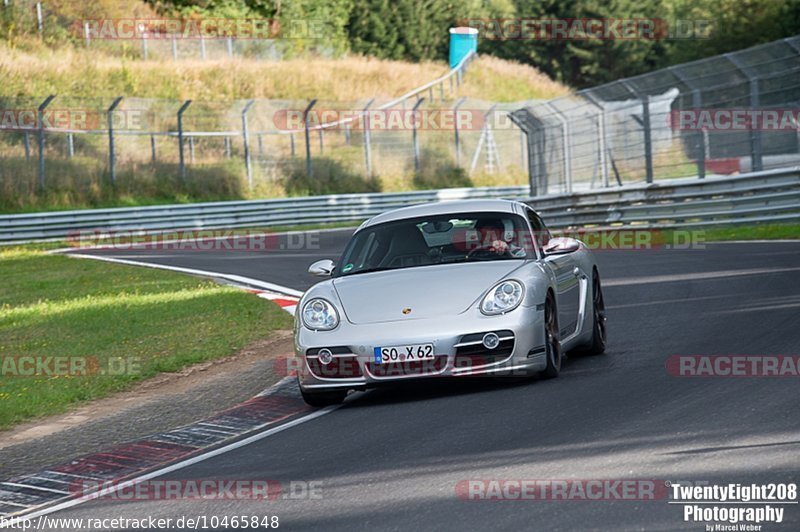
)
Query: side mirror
[
  {"x": 322, "y": 268},
  {"x": 561, "y": 246}
]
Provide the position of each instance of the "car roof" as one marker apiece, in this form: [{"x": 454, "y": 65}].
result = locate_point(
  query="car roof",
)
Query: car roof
[{"x": 445, "y": 207}]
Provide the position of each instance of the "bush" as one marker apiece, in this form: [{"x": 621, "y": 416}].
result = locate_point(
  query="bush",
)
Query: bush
[
  {"x": 83, "y": 182},
  {"x": 436, "y": 171},
  {"x": 329, "y": 176}
]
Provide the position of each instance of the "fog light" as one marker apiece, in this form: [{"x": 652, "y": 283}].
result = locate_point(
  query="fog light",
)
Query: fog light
[
  {"x": 490, "y": 340},
  {"x": 325, "y": 356}
]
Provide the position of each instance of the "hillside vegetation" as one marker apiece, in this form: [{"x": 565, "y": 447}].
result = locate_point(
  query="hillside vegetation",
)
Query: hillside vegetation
[
  {"x": 417, "y": 31},
  {"x": 89, "y": 74}
]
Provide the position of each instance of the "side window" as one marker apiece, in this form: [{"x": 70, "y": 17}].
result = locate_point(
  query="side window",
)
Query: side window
[{"x": 539, "y": 229}]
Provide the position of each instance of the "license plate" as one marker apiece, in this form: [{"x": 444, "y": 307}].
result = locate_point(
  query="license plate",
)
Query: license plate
[{"x": 403, "y": 353}]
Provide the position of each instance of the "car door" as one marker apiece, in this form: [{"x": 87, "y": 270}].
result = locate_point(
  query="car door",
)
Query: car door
[{"x": 567, "y": 281}]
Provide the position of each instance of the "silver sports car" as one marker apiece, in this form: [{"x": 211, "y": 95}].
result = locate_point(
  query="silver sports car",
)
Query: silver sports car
[{"x": 447, "y": 290}]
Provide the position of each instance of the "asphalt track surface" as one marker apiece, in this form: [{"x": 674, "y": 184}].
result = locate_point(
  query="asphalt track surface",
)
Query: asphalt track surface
[{"x": 390, "y": 459}]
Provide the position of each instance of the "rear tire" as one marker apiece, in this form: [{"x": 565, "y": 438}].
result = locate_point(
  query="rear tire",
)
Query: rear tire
[
  {"x": 598, "y": 345},
  {"x": 321, "y": 399},
  {"x": 552, "y": 339}
]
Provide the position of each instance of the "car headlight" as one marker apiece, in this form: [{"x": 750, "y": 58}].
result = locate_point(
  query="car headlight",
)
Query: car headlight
[
  {"x": 504, "y": 297},
  {"x": 320, "y": 315}
]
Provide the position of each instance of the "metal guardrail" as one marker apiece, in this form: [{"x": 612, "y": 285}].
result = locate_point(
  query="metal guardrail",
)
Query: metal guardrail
[
  {"x": 769, "y": 196},
  {"x": 231, "y": 214}
]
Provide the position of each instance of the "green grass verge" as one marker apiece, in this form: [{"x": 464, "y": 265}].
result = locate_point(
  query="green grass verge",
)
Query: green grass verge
[
  {"x": 753, "y": 232},
  {"x": 134, "y": 321}
]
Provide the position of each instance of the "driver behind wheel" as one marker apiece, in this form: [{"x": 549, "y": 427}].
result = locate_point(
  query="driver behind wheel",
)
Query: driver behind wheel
[{"x": 492, "y": 238}]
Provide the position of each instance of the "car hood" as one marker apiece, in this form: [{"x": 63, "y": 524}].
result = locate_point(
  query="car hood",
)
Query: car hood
[{"x": 429, "y": 291}]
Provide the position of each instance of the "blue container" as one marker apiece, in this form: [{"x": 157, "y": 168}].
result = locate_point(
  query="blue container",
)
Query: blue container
[{"x": 462, "y": 42}]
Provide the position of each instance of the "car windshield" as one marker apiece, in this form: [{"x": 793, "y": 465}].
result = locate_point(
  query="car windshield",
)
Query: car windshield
[{"x": 441, "y": 239}]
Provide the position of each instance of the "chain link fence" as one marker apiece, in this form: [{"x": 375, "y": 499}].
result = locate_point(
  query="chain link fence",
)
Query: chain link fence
[
  {"x": 428, "y": 138},
  {"x": 727, "y": 114}
]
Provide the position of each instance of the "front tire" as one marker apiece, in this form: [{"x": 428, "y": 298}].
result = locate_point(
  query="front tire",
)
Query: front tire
[
  {"x": 552, "y": 342},
  {"x": 322, "y": 399}
]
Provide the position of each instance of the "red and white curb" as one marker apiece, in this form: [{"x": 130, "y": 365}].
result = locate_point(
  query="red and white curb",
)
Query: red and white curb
[
  {"x": 287, "y": 303},
  {"x": 276, "y": 409},
  {"x": 284, "y": 296},
  {"x": 28, "y": 497}
]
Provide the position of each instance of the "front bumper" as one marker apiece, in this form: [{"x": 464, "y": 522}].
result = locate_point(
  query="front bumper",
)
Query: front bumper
[{"x": 457, "y": 347}]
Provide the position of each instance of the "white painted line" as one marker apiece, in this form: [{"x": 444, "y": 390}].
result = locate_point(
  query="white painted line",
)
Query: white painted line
[
  {"x": 699, "y": 276},
  {"x": 34, "y": 477},
  {"x": 15, "y": 504},
  {"x": 778, "y": 241},
  {"x": 15, "y": 522},
  {"x": 38, "y": 488},
  {"x": 246, "y": 281}
]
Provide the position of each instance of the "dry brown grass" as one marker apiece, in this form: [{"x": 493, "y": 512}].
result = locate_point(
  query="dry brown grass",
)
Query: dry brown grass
[
  {"x": 81, "y": 182},
  {"x": 498, "y": 80},
  {"x": 89, "y": 74}
]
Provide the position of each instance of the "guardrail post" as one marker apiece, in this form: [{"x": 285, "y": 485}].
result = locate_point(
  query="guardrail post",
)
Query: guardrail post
[
  {"x": 487, "y": 136},
  {"x": 152, "y": 148},
  {"x": 39, "y": 18},
  {"x": 531, "y": 173},
  {"x": 648, "y": 142},
  {"x": 309, "y": 168},
  {"x": 227, "y": 147},
  {"x": 230, "y": 46},
  {"x": 602, "y": 142},
  {"x": 191, "y": 149},
  {"x": 415, "y": 139},
  {"x": 70, "y": 145},
  {"x": 144, "y": 41},
  {"x": 455, "y": 130},
  {"x": 347, "y": 134},
  {"x": 112, "y": 156},
  {"x": 182, "y": 163},
  {"x": 367, "y": 146},
  {"x": 40, "y": 123},
  {"x": 246, "y": 140},
  {"x": 321, "y": 141},
  {"x": 202, "y": 48},
  {"x": 291, "y": 141},
  {"x": 755, "y": 133},
  {"x": 697, "y": 103},
  {"x": 86, "y": 35},
  {"x": 567, "y": 147},
  {"x": 26, "y": 140}
]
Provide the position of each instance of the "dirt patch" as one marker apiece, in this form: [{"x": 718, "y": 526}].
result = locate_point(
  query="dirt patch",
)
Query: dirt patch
[{"x": 196, "y": 378}]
